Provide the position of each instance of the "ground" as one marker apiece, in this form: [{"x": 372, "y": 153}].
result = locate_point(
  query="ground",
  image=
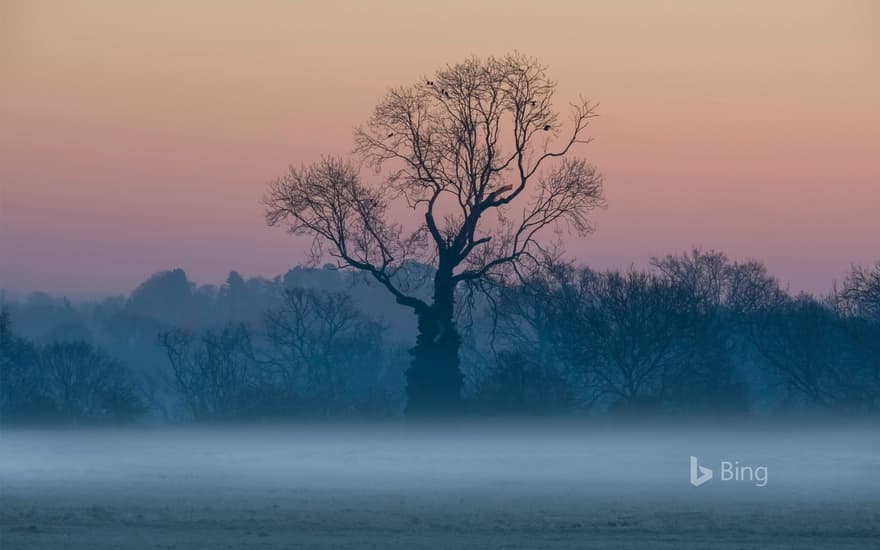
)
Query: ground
[{"x": 408, "y": 487}]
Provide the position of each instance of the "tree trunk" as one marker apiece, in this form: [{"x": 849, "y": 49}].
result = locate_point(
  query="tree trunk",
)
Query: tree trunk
[{"x": 434, "y": 380}]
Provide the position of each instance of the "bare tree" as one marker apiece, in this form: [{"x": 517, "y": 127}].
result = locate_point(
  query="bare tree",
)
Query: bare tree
[
  {"x": 213, "y": 370},
  {"x": 860, "y": 294},
  {"x": 318, "y": 340},
  {"x": 87, "y": 384},
  {"x": 472, "y": 150},
  {"x": 805, "y": 343},
  {"x": 858, "y": 303},
  {"x": 626, "y": 333},
  {"x": 736, "y": 289}
]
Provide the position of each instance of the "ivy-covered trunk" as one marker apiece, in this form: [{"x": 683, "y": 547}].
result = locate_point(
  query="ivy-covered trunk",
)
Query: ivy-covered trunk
[{"x": 435, "y": 380}]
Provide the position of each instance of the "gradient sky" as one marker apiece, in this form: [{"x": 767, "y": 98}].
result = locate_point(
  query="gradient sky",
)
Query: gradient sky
[{"x": 137, "y": 136}]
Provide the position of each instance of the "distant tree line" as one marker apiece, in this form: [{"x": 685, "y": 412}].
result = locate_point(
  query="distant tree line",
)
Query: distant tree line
[{"x": 694, "y": 333}]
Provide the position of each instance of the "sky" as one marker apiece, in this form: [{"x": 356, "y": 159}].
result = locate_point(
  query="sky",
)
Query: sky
[{"x": 139, "y": 136}]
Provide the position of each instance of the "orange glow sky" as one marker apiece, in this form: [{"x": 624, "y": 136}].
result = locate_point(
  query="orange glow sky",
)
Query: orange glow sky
[{"x": 136, "y": 136}]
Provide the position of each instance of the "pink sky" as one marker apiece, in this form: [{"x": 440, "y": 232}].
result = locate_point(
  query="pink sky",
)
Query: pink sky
[{"x": 139, "y": 136}]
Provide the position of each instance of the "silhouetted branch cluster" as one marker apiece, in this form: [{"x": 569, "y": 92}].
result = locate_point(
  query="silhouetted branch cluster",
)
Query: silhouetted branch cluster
[
  {"x": 64, "y": 381},
  {"x": 695, "y": 331},
  {"x": 462, "y": 148}
]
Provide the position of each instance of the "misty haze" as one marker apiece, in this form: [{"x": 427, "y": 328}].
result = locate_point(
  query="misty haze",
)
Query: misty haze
[
  {"x": 452, "y": 275},
  {"x": 406, "y": 487}
]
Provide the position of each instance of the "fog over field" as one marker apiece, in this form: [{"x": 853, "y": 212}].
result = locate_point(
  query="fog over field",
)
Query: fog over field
[
  {"x": 416, "y": 486},
  {"x": 439, "y": 275}
]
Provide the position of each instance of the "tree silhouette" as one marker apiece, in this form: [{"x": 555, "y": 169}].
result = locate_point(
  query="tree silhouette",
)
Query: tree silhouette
[
  {"x": 317, "y": 341},
  {"x": 628, "y": 333},
  {"x": 472, "y": 150},
  {"x": 23, "y": 390},
  {"x": 861, "y": 292},
  {"x": 804, "y": 342},
  {"x": 858, "y": 302},
  {"x": 87, "y": 384},
  {"x": 213, "y": 370}
]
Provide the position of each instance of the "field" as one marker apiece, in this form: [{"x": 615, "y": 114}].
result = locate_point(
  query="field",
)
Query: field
[{"x": 415, "y": 487}]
